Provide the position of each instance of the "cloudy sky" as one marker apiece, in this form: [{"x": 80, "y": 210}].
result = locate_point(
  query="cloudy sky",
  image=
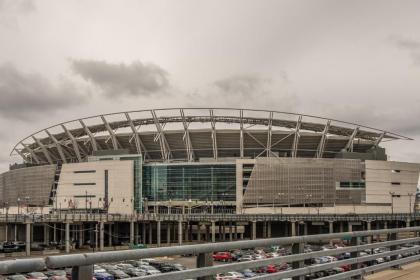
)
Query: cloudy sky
[{"x": 357, "y": 61}]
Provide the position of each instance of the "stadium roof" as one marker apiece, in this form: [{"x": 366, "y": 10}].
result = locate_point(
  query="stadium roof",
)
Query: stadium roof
[{"x": 187, "y": 134}]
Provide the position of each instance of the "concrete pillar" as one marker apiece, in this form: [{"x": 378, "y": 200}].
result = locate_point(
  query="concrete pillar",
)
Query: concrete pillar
[
  {"x": 46, "y": 234},
  {"x": 230, "y": 232},
  {"x": 293, "y": 230},
  {"x": 355, "y": 241},
  {"x": 55, "y": 233},
  {"x": 6, "y": 231},
  {"x": 132, "y": 232},
  {"x": 32, "y": 233},
  {"x": 101, "y": 236},
  {"x": 236, "y": 231},
  {"x": 298, "y": 248},
  {"x": 136, "y": 233},
  {"x": 207, "y": 233},
  {"x": 143, "y": 232},
  {"x": 179, "y": 232},
  {"x": 350, "y": 227},
  {"x": 168, "y": 233},
  {"x": 150, "y": 233},
  {"x": 268, "y": 229},
  {"x": 110, "y": 235},
  {"x": 15, "y": 227},
  {"x": 28, "y": 239},
  {"x": 199, "y": 233},
  {"x": 204, "y": 260},
  {"x": 305, "y": 228},
  {"x": 254, "y": 230},
  {"x": 67, "y": 237},
  {"x": 264, "y": 230},
  {"x": 213, "y": 231},
  {"x": 331, "y": 226},
  {"x": 186, "y": 233},
  {"x": 81, "y": 241},
  {"x": 369, "y": 227},
  {"x": 341, "y": 227},
  {"x": 158, "y": 233}
]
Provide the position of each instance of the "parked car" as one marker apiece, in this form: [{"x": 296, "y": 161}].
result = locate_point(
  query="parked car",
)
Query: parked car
[
  {"x": 37, "y": 275},
  {"x": 222, "y": 256},
  {"x": 103, "y": 276},
  {"x": 16, "y": 277},
  {"x": 118, "y": 274}
]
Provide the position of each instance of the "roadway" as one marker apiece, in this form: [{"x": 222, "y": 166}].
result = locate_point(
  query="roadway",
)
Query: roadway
[{"x": 408, "y": 272}]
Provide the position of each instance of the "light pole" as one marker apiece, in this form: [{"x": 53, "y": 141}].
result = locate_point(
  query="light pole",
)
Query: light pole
[
  {"x": 308, "y": 196},
  {"x": 410, "y": 195},
  {"x": 392, "y": 202},
  {"x": 258, "y": 201},
  {"x": 18, "y": 203},
  {"x": 27, "y": 204}
]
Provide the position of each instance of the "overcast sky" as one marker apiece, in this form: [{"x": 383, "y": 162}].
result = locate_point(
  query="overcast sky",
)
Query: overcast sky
[{"x": 358, "y": 61}]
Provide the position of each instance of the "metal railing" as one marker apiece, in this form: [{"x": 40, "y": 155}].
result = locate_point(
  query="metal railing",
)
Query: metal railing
[
  {"x": 62, "y": 217},
  {"x": 82, "y": 264}
]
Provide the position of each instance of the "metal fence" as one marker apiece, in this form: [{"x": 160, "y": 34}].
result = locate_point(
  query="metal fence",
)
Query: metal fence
[
  {"x": 63, "y": 217},
  {"x": 82, "y": 264}
]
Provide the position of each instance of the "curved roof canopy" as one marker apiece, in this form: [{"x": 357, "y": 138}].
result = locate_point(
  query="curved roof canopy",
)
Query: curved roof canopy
[{"x": 188, "y": 134}]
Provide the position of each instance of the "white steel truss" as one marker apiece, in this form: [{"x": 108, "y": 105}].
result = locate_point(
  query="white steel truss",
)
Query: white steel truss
[
  {"x": 349, "y": 145},
  {"x": 321, "y": 145},
  {"x": 164, "y": 146},
  {"x": 241, "y": 134},
  {"x": 58, "y": 146},
  {"x": 297, "y": 137},
  {"x": 186, "y": 137},
  {"x": 92, "y": 138},
  {"x": 111, "y": 133},
  {"x": 44, "y": 150},
  {"x": 33, "y": 154},
  {"x": 379, "y": 139},
  {"x": 74, "y": 142},
  {"x": 269, "y": 133},
  {"x": 136, "y": 137},
  {"x": 213, "y": 134}
]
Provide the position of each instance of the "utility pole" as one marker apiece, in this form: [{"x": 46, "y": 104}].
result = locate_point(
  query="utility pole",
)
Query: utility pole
[{"x": 392, "y": 202}]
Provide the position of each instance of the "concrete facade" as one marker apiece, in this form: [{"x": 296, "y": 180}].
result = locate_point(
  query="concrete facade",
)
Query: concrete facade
[{"x": 82, "y": 186}]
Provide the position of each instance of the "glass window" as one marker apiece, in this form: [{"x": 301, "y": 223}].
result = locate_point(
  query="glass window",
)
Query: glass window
[{"x": 184, "y": 182}]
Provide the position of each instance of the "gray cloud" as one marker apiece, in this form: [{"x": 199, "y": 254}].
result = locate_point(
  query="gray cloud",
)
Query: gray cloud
[
  {"x": 135, "y": 79},
  {"x": 247, "y": 90},
  {"x": 245, "y": 84},
  {"x": 28, "y": 95},
  {"x": 408, "y": 44},
  {"x": 10, "y": 10}
]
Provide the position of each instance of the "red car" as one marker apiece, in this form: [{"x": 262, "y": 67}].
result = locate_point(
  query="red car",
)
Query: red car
[
  {"x": 222, "y": 257},
  {"x": 271, "y": 268},
  {"x": 346, "y": 267}
]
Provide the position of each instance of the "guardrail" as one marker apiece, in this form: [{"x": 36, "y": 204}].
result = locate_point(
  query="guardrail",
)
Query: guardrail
[
  {"x": 63, "y": 217},
  {"x": 82, "y": 264}
]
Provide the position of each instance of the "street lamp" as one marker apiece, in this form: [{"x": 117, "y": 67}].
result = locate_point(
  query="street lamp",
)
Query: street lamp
[
  {"x": 258, "y": 201},
  {"x": 18, "y": 203},
  {"x": 308, "y": 196},
  {"x": 410, "y": 195},
  {"x": 392, "y": 202},
  {"x": 281, "y": 207},
  {"x": 27, "y": 204}
]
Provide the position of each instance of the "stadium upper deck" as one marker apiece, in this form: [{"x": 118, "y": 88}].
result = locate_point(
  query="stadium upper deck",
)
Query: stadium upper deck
[{"x": 193, "y": 134}]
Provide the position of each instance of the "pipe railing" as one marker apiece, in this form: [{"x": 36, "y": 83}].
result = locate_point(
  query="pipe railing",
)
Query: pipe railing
[
  {"x": 84, "y": 262},
  {"x": 63, "y": 217}
]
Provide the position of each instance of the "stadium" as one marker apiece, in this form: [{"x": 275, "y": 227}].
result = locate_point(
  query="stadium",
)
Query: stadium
[{"x": 208, "y": 159}]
